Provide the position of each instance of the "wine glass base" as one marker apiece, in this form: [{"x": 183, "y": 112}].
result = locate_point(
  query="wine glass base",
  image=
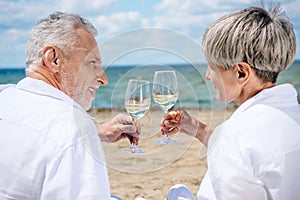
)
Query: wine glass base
[
  {"x": 165, "y": 140},
  {"x": 132, "y": 149}
]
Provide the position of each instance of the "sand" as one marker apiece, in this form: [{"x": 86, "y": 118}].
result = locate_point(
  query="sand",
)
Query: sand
[{"x": 150, "y": 175}]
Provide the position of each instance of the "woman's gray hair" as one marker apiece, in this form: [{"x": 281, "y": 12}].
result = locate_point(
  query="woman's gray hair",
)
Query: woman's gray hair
[
  {"x": 58, "y": 29},
  {"x": 265, "y": 40}
]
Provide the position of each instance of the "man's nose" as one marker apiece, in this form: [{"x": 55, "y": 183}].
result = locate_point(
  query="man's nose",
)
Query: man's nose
[{"x": 102, "y": 80}]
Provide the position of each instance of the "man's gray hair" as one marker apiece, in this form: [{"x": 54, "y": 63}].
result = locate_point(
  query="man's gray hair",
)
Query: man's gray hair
[
  {"x": 59, "y": 30},
  {"x": 265, "y": 40}
]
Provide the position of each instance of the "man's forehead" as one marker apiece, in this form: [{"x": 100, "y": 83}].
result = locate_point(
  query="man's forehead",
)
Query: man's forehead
[
  {"x": 86, "y": 40},
  {"x": 95, "y": 54}
]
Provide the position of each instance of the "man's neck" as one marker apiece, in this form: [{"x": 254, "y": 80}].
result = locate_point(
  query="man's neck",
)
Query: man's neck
[{"x": 43, "y": 73}]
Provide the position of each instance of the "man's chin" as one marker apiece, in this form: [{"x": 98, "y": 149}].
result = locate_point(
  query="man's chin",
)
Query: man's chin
[{"x": 87, "y": 105}]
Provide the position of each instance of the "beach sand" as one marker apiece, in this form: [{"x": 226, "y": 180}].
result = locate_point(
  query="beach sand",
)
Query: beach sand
[{"x": 151, "y": 174}]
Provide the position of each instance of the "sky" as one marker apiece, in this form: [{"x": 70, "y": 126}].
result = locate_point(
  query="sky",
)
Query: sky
[{"x": 130, "y": 32}]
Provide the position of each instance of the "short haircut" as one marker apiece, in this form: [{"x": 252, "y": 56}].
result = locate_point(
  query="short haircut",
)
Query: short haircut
[
  {"x": 263, "y": 39},
  {"x": 58, "y": 29}
]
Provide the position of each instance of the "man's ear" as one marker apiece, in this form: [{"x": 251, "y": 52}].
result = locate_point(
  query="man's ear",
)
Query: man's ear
[
  {"x": 52, "y": 58},
  {"x": 244, "y": 72}
]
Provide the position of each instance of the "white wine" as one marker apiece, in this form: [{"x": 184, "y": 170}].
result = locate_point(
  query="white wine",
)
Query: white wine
[
  {"x": 137, "y": 110},
  {"x": 137, "y": 103},
  {"x": 165, "y": 94},
  {"x": 165, "y": 101}
]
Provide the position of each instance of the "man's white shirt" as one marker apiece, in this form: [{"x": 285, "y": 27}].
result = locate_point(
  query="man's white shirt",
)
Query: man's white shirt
[{"x": 49, "y": 146}]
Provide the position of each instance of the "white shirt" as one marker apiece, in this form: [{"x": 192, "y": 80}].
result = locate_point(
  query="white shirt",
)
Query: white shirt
[
  {"x": 49, "y": 146},
  {"x": 255, "y": 154}
]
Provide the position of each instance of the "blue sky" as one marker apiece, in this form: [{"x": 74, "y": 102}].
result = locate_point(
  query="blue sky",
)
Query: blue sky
[{"x": 130, "y": 32}]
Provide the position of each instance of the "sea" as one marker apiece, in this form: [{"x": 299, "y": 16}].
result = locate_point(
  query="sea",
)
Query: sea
[{"x": 194, "y": 90}]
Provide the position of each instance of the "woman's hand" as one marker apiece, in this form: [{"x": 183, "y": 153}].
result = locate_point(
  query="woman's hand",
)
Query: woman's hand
[{"x": 180, "y": 120}]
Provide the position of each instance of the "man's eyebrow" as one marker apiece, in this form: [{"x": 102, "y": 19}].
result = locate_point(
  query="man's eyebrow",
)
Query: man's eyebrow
[
  {"x": 95, "y": 57},
  {"x": 98, "y": 59}
]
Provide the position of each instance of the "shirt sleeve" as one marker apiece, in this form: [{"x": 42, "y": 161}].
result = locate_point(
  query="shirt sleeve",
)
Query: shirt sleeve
[
  {"x": 232, "y": 179},
  {"x": 76, "y": 174},
  {"x": 230, "y": 166}
]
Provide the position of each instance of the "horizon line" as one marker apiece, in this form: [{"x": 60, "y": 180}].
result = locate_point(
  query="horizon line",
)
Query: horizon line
[{"x": 130, "y": 65}]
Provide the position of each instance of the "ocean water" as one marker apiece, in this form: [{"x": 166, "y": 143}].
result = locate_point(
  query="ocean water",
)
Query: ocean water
[{"x": 194, "y": 90}]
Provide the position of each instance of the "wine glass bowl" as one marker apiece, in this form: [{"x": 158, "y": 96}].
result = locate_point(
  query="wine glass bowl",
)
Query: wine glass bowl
[
  {"x": 165, "y": 101},
  {"x": 137, "y": 108},
  {"x": 137, "y": 104},
  {"x": 165, "y": 94}
]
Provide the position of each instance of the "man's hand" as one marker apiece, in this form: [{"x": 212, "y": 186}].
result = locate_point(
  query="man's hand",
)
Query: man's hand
[{"x": 119, "y": 127}]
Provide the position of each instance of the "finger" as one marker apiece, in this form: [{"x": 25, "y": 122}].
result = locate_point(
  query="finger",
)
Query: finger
[
  {"x": 133, "y": 139},
  {"x": 135, "y": 134},
  {"x": 173, "y": 130},
  {"x": 164, "y": 131},
  {"x": 123, "y": 135},
  {"x": 128, "y": 128},
  {"x": 138, "y": 130},
  {"x": 124, "y": 119},
  {"x": 130, "y": 138},
  {"x": 136, "y": 140},
  {"x": 170, "y": 131},
  {"x": 178, "y": 116},
  {"x": 171, "y": 123},
  {"x": 171, "y": 115},
  {"x": 162, "y": 122}
]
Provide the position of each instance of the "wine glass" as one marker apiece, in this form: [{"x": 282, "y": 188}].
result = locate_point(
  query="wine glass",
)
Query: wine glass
[
  {"x": 165, "y": 94},
  {"x": 137, "y": 103}
]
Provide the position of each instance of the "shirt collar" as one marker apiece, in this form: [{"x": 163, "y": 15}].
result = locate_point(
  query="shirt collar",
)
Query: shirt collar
[
  {"x": 3, "y": 87},
  {"x": 277, "y": 96},
  {"x": 41, "y": 88}
]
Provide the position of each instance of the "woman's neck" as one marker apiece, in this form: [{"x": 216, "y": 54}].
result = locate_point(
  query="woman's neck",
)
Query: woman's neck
[{"x": 252, "y": 89}]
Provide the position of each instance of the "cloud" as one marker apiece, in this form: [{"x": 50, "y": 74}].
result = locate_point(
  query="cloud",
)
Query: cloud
[
  {"x": 150, "y": 45},
  {"x": 86, "y": 7},
  {"x": 12, "y": 50},
  {"x": 114, "y": 17},
  {"x": 292, "y": 10},
  {"x": 188, "y": 16},
  {"x": 110, "y": 25},
  {"x": 20, "y": 14},
  {"x": 191, "y": 17},
  {"x": 18, "y": 17},
  {"x": 24, "y": 14}
]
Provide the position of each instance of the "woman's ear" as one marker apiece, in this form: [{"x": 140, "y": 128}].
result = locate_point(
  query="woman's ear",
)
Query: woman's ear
[
  {"x": 244, "y": 72},
  {"x": 51, "y": 58}
]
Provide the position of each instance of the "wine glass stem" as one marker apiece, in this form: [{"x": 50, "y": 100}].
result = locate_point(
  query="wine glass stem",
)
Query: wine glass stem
[
  {"x": 166, "y": 136},
  {"x": 133, "y": 144},
  {"x": 166, "y": 111}
]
